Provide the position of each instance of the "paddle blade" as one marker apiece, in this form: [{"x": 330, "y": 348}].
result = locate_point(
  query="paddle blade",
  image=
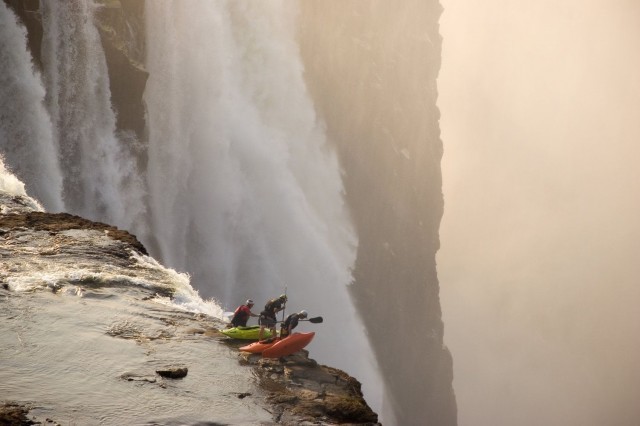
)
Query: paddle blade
[{"x": 315, "y": 320}]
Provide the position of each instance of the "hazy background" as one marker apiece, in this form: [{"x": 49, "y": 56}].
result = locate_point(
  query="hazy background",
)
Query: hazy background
[{"x": 540, "y": 259}]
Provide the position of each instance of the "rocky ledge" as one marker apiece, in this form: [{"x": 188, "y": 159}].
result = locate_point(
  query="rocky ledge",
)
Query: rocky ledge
[
  {"x": 303, "y": 392},
  {"x": 295, "y": 389},
  {"x": 299, "y": 391},
  {"x": 58, "y": 222}
]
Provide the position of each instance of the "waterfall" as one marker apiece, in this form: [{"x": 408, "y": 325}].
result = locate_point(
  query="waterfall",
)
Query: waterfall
[
  {"x": 245, "y": 192},
  {"x": 26, "y": 133},
  {"x": 243, "y": 189},
  {"x": 101, "y": 180}
]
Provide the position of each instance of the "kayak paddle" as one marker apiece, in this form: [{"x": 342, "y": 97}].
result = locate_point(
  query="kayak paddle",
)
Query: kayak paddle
[{"x": 314, "y": 320}]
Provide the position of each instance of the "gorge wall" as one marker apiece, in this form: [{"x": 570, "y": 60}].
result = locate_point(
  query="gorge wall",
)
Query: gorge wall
[{"x": 372, "y": 72}]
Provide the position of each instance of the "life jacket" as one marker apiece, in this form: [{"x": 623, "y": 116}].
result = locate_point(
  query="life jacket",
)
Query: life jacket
[
  {"x": 271, "y": 307},
  {"x": 291, "y": 320},
  {"x": 241, "y": 316}
]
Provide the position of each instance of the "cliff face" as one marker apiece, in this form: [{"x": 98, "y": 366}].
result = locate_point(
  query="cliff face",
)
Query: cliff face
[
  {"x": 29, "y": 13},
  {"x": 372, "y": 72},
  {"x": 121, "y": 26},
  {"x": 122, "y": 30}
]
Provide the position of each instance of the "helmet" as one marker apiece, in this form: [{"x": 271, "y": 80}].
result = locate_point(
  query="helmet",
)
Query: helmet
[
  {"x": 303, "y": 314},
  {"x": 249, "y": 302},
  {"x": 283, "y": 297}
]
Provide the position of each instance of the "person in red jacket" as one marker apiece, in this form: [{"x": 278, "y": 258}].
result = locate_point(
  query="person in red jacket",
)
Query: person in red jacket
[{"x": 242, "y": 314}]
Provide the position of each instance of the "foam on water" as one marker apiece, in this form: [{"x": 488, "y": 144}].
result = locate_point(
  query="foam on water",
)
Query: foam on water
[
  {"x": 26, "y": 132},
  {"x": 185, "y": 297},
  {"x": 14, "y": 187}
]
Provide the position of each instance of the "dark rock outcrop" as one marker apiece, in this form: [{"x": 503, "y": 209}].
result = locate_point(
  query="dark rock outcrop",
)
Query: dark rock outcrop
[
  {"x": 12, "y": 414},
  {"x": 58, "y": 222},
  {"x": 300, "y": 390},
  {"x": 121, "y": 26},
  {"x": 173, "y": 372}
]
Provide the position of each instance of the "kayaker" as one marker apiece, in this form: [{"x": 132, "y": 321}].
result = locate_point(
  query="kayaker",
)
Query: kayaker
[
  {"x": 291, "y": 322},
  {"x": 242, "y": 314},
  {"x": 268, "y": 316}
]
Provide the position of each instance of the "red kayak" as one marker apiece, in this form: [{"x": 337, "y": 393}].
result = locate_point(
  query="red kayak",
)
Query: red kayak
[
  {"x": 288, "y": 345},
  {"x": 258, "y": 347}
]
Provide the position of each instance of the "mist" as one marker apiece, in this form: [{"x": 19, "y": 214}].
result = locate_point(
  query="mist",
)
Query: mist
[{"x": 540, "y": 241}]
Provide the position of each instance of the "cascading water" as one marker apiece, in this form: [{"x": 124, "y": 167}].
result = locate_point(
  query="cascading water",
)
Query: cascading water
[
  {"x": 236, "y": 159},
  {"x": 100, "y": 177},
  {"x": 244, "y": 191},
  {"x": 26, "y": 133}
]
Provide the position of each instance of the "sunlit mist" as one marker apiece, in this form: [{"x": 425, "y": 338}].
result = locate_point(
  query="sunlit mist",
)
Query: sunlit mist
[{"x": 540, "y": 259}]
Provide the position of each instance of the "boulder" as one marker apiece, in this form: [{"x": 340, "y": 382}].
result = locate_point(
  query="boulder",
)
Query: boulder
[{"x": 173, "y": 372}]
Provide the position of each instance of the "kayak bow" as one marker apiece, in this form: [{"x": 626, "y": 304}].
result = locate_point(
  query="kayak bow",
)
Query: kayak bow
[{"x": 246, "y": 333}]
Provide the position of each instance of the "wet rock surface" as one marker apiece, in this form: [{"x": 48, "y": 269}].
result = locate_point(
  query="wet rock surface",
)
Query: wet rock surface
[
  {"x": 301, "y": 391},
  {"x": 58, "y": 222},
  {"x": 14, "y": 414},
  {"x": 173, "y": 372},
  {"x": 293, "y": 390}
]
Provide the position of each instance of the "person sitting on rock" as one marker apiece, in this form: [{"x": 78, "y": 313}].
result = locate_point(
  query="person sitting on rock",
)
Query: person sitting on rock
[
  {"x": 268, "y": 316},
  {"x": 242, "y": 314},
  {"x": 291, "y": 322}
]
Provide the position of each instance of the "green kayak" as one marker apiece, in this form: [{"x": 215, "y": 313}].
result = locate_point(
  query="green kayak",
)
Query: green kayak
[{"x": 246, "y": 333}]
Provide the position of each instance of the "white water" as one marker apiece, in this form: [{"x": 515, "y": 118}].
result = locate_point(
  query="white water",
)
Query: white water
[
  {"x": 26, "y": 133},
  {"x": 100, "y": 177},
  {"x": 245, "y": 192},
  {"x": 13, "y": 186}
]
